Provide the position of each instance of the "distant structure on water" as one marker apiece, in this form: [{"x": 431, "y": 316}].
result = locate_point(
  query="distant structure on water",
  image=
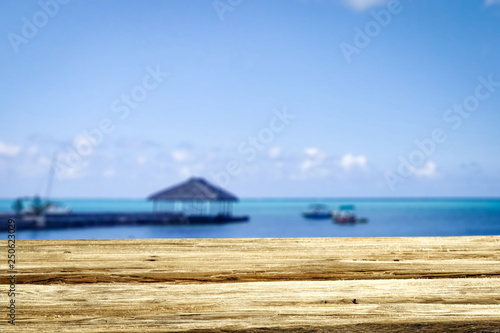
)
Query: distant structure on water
[
  {"x": 194, "y": 201},
  {"x": 198, "y": 200}
]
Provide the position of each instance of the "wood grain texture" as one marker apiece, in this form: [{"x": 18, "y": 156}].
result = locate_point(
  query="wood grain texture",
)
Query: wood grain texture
[{"x": 256, "y": 285}]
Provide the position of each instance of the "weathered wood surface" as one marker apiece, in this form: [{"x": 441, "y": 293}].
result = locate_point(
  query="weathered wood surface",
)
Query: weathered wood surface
[{"x": 256, "y": 285}]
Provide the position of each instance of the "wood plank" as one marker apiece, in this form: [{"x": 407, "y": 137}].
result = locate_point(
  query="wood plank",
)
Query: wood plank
[
  {"x": 246, "y": 260},
  {"x": 257, "y": 285}
]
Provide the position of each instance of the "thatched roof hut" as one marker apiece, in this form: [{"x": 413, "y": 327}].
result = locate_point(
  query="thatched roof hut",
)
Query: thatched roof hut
[{"x": 195, "y": 196}]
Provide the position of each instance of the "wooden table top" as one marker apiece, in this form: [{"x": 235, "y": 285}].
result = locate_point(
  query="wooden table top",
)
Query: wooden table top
[{"x": 418, "y": 284}]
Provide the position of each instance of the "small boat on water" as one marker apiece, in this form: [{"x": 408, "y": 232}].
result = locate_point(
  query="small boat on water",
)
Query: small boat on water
[
  {"x": 347, "y": 214},
  {"x": 38, "y": 207},
  {"x": 318, "y": 212}
]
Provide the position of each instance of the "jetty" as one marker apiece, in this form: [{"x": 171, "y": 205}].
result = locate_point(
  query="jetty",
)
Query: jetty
[
  {"x": 92, "y": 219},
  {"x": 194, "y": 201},
  {"x": 419, "y": 284}
]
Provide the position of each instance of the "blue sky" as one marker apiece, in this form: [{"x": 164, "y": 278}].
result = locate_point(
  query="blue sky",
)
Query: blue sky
[{"x": 298, "y": 98}]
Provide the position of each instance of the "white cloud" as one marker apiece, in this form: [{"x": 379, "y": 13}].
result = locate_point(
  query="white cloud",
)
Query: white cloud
[
  {"x": 312, "y": 166},
  {"x": 33, "y": 150},
  {"x": 314, "y": 158},
  {"x": 181, "y": 155},
  {"x": 137, "y": 143},
  {"x": 33, "y": 166},
  {"x": 428, "y": 170},
  {"x": 186, "y": 171},
  {"x": 492, "y": 2},
  {"x": 70, "y": 165},
  {"x": 365, "y": 4},
  {"x": 211, "y": 156},
  {"x": 312, "y": 151},
  {"x": 44, "y": 161},
  {"x": 77, "y": 171},
  {"x": 274, "y": 152},
  {"x": 9, "y": 150},
  {"x": 306, "y": 165},
  {"x": 349, "y": 161},
  {"x": 141, "y": 160},
  {"x": 109, "y": 173},
  {"x": 84, "y": 145}
]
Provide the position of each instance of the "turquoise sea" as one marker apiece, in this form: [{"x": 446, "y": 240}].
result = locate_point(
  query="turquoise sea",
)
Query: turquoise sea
[{"x": 281, "y": 218}]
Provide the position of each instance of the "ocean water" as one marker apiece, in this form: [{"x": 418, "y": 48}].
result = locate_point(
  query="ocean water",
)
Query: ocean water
[{"x": 282, "y": 218}]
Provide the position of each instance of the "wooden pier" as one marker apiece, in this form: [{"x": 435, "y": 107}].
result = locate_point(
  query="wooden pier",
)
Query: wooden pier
[
  {"x": 98, "y": 219},
  {"x": 412, "y": 285}
]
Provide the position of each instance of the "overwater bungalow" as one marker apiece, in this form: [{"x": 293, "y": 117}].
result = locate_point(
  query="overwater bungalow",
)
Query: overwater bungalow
[{"x": 198, "y": 200}]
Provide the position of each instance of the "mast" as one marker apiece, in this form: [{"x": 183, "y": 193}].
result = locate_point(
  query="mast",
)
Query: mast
[{"x": 51, "y": 176}]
